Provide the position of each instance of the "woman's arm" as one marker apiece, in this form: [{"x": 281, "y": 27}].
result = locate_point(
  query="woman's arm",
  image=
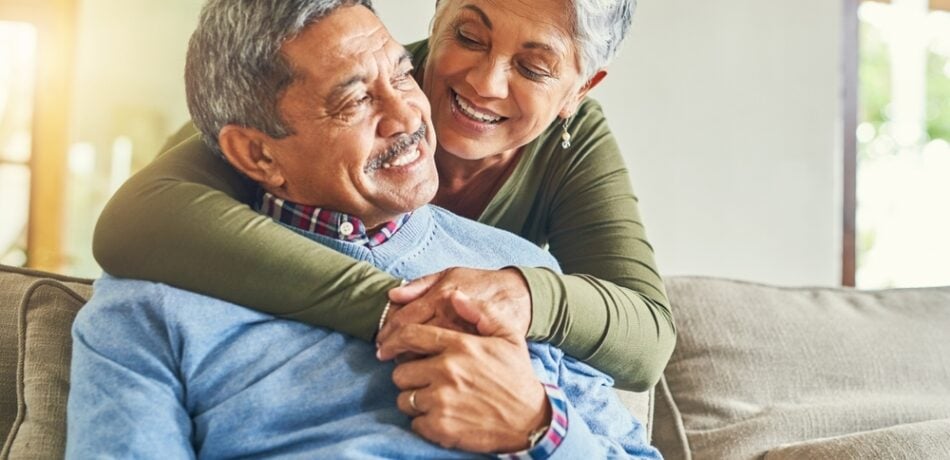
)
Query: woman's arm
[
  {"x": 611, "y": 309},
  {"x": 183, "y": 220}
]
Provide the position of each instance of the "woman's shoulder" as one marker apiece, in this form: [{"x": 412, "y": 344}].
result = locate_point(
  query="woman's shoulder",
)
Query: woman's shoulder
[
  {"x": 187, "y": 134},
  {"x": 588, "y": 119},
  {"x": 590, "y": 136}
]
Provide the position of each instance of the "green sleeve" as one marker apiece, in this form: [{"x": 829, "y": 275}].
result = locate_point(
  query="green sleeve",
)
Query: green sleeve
[
  {"x": 611, "y": 310},
  {"x": 183, "y": 220}
]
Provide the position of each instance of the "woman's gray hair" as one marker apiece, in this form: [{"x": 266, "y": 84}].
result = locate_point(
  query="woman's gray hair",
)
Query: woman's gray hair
[
  {"x": 600, "y": 26},
  {"x": 235, "y": 72}
]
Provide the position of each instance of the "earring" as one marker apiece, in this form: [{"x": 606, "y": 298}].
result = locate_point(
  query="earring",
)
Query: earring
[{"x": 565, "y": 134}]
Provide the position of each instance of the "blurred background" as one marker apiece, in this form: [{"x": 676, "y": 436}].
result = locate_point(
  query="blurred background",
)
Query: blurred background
[{"x": 795, "y": 143}]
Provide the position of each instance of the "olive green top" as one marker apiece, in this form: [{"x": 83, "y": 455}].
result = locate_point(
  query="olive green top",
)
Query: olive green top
[{"x": 185, "y": 220}]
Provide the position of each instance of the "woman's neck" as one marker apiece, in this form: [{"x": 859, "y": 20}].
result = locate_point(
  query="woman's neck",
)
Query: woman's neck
[{"x": 466, "y": 187}]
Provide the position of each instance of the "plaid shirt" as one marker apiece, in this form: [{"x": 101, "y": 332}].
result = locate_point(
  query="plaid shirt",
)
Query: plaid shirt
[{"x": 325, "y": 222}]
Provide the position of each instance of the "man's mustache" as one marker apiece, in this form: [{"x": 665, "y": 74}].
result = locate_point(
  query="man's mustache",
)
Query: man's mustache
[{"x": 399, "y": 146}]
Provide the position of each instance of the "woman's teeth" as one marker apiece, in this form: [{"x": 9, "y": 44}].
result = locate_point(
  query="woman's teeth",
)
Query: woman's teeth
[
  {"x": 472, "y": 112},
  {"x": 402, "y": 159}
]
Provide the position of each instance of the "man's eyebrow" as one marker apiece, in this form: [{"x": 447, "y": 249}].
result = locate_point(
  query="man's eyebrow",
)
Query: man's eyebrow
[
  {"x": 338, "y": 90},
  {"x": 480, "y": 14}
]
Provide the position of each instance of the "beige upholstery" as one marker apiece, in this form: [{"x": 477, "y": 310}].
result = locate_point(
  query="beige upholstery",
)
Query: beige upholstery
[
  {"x": 36, "y": 312},
  {"x": 766, "y": 370},
  {"x": 910, "y": 441}
]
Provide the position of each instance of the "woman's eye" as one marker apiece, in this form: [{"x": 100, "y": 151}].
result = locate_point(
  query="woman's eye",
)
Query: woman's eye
[{"x": 538, "y": 75}]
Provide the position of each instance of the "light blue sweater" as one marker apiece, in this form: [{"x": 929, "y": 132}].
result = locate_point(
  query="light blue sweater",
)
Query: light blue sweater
[{"x": 163, "y": 373}]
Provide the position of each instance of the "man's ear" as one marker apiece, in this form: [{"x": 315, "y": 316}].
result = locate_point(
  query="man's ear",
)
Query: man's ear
[
  {"x": 576, "y": 99},
  {"x": 248, "y": 150}
]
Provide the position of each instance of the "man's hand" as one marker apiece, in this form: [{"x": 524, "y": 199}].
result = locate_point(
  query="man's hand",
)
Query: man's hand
[
  {"x": 501, "y": 302},
  {"x": 474, "y": 393}
]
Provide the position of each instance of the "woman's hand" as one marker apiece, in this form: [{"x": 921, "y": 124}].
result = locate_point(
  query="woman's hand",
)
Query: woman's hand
[{"x": 501, "y": 303}]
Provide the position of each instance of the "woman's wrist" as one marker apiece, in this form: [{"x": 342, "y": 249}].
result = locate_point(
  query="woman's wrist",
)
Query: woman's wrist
[{"x": 539, "y": 283}]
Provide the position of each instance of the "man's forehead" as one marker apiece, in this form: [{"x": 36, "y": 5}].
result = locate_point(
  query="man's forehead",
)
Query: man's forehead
[
  {"x": 341, "y": 43},
  {"x": 339, "y": 35}
]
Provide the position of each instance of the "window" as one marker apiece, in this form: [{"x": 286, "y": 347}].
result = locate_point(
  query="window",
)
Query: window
[
  {"x": 17, "y": 76},
  {"x": 903, "y": 133}
]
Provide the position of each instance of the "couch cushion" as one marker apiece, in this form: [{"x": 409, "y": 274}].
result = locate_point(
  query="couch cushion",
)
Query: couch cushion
[
  {"x": 757, "y": 367},
  {"x": 36, "y": 315},
  {"x": 910, "y": 441}
]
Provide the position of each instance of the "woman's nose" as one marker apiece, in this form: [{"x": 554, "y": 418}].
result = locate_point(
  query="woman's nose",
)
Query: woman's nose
[{"x": 489, "y": 79}]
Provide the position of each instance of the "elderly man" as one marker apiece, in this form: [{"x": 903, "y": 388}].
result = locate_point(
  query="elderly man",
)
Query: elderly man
[{"x": 164, "y": 373}]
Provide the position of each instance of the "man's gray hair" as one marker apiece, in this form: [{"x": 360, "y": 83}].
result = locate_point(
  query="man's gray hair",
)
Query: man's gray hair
[
  {"x": 600, "y": 26},
  {"x": 235, "y": 72}
]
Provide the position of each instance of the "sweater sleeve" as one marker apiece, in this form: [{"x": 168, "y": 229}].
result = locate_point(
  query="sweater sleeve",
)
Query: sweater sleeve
[
  {"x": 183, "y": 221},
  {"x": 610, "y": 309}
]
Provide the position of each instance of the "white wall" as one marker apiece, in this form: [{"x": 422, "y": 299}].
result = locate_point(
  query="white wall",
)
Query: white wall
[{"x": 728, "y": 114}]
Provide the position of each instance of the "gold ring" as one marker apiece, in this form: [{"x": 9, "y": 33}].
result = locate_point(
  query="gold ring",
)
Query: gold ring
[{"x": 412, "y": 401}]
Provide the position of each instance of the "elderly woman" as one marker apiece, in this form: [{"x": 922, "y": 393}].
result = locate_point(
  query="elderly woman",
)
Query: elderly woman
[{"x": 520, "y": 147}]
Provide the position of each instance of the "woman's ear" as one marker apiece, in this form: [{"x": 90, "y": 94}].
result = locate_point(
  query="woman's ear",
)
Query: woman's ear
[
  {"x": 248, "y": 151},
  {"x": 568, "y": 110}
]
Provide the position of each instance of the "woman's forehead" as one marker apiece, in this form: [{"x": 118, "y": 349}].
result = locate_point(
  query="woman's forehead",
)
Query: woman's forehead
[{"x": 540, "y": 24}]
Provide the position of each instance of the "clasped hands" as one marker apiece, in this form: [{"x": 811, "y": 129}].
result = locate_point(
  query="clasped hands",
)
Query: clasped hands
[{"x": 462, "y": 360}]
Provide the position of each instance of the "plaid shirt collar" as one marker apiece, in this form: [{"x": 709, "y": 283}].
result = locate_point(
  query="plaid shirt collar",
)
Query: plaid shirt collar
[{"x": 325, "y": 222}]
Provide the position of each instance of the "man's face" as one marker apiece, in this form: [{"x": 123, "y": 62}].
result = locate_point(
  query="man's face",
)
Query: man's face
[{"x": 363, "y": 139}]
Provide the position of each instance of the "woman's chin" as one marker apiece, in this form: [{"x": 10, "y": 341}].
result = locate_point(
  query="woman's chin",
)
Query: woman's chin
[
  {"x": 465, "y": 146},
  {"x": 465, "y": 150}
]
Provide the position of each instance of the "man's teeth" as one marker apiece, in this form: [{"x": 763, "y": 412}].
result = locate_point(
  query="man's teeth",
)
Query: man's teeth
[
  {"x": 474, "y": 113},
  {"x": 402, "y": 159}
]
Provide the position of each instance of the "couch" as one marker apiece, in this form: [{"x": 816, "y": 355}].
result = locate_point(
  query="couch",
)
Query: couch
[{"x": 759, "y": 371}]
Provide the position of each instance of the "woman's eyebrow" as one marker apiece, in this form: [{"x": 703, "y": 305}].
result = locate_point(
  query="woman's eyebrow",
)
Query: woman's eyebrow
[
  {"x": 538, "y": 45},
  {"x": 481, "y": 14}
]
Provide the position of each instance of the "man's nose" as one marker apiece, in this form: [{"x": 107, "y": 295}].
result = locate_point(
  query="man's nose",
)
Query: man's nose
[
  {"x": 489, "y": 79},
  {"x": 398, "y": 117}
]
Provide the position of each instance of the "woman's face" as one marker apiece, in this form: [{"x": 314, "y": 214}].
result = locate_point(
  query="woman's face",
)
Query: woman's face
[{"x": 499, "y": 72}]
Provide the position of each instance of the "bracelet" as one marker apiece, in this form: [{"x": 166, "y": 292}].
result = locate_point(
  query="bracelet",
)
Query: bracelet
[{"x": 389, "y": 304}]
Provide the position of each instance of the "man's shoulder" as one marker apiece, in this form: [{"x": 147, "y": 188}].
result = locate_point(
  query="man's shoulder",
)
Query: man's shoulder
[
  {"x": 117, "y": 301},
  {"x": 110, "y": 293},
  {"x": 511, "y": 249},
  {"x": 121, "y": 310}
]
